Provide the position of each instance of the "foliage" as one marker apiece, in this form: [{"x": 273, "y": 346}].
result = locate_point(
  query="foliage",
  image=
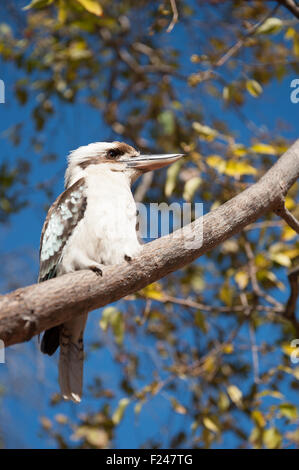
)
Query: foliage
[{"x": 198, "y": 340}]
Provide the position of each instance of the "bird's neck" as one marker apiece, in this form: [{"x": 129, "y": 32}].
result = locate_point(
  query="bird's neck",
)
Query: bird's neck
[{"x": 102, "y": 175}]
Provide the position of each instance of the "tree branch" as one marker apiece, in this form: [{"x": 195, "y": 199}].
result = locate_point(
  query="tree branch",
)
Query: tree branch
[
  {"x": 30, "y": 310},
  {"x": 291, "y": 5}
]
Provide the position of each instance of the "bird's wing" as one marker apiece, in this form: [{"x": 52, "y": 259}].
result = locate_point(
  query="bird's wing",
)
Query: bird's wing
[{"x": 62, "y": 218}]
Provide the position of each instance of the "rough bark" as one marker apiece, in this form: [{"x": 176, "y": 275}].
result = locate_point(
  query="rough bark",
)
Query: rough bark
[{"x": 30, "y": 310}]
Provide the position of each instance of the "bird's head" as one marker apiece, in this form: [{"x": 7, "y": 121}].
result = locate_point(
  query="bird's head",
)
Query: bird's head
[{"x": 115, "y": 156}]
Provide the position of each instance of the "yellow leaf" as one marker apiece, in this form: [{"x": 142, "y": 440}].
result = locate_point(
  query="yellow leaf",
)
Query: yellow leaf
[
  {"x": 258, "y": 417},
  {"x": 242, "y": 279},
  {"x": 270, "y": 26},
  {"x": 264, "y": 149},
  {"x": 234, "y": 168},
  {"x": 290, "y": 33},
  {"x": 119, "y": 412},
  {"x": 178, "y": 407},
  {"x": 281, "y": 258},
  {"x": 228, "y": 348},
  {"x": 223, "y": 401},
  {"x": 92, "y": 6},
  {"x": 272, "y": 438},
  {"x": 288, "y": 349},
  {"x": 205, "y": 132},
  {"x": 239, "y": 150},
  {"x": 215, "y": 161},
  {"x": 271, "y": 393},
  {"x": 288, "y": 411},
  {"x": 254, "y": 88},
  {"x": 210, "y": 424},
  {"x": 153, "y": 291},
  {"x": 235, "y": 394},
  {"x": 288, "y": 233}
]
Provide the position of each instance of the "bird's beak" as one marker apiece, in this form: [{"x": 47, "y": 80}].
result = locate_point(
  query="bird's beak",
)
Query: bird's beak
[{"x": 152, "y": 162}]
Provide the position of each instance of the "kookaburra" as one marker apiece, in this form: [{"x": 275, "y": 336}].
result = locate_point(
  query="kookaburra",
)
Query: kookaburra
[{"x": 90, "y": 225}]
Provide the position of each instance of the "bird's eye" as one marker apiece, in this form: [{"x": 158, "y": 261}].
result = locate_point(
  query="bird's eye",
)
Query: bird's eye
[{"x": 112, "y": 153}]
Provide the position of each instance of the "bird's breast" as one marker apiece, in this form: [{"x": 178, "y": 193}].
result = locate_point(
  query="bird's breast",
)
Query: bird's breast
[{"x": 110, "y": 221}]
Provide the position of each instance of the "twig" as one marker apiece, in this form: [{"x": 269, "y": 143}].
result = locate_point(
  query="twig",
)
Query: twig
[
  {"x": 286, "y": 215},
  {"x": 233, "y": 49},
  {"x": 175, "y": 16}
]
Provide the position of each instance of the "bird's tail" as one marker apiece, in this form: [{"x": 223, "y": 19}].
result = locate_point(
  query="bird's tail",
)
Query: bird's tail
[{"x": 71, "y": 358}]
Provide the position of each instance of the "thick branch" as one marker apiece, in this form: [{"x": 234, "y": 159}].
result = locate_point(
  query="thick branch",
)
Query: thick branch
[{"x": 30, "y": 310}]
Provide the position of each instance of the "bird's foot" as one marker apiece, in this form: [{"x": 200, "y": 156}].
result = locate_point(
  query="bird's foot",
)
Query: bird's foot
[{"x": 97, "y": 268}]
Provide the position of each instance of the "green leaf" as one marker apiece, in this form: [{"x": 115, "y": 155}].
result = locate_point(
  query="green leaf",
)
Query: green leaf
[
  {"x": 92, "y": 6},
  {"x": 199, "y": 320},
  {"x": 172, "y": 174},
  {"x": 190, "y": 187},
  {"x": 112, "y": 317},
  {"x": 167, "y": 121}
]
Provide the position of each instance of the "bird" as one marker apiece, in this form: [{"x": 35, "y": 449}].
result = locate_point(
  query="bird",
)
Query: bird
[{"x": 91, "y": 224}]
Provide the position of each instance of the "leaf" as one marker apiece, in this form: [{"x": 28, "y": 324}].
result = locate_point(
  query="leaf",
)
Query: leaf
[
  {"x": 92, "y": 6},
  {"x": 205, "y": 132},
  {"x": 234, "y": 168},
  {"x": 254, "y": 88},
  {"x": 167, "y": 121},
  {"x": 210, "y": 424},
  {"x": 119, "y": 412},
  {"x": 153, "y": 291},
  {"x": 271, "y": 393},
  {"x": 242, "y": 279},
  {"x": 199, "y": 320},
  {"x": 112, "y": 317},
  {"x": 190, "y": 187},
  {"x": 258, "y": 418},
  {"x": 281, "y": 258},
  {"x": 288, "y": 233},
  {"x": 235, "y": 394},
  {"x": 272, "y": 438},
  {"x": 228, "y": 348},
  {"x": 223, "y": 401},
  {"x": 215, "y": 161},
  {"x": 38, "y": 4},
  {"x": 270, "y": 26},
  {"x": 264, "y": 149},
  {"x": 178, "y": 407},
  {"x": 288, "y": 410},
  {"x": 226, "y": 295},
  {"x": 171, "y": 177}
]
